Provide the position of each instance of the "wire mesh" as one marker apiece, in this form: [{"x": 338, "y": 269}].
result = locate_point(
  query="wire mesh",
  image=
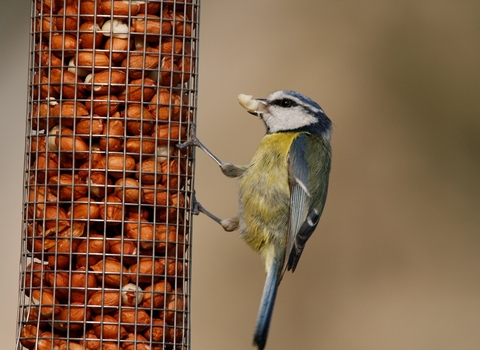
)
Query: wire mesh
[{"x": 105, "y": 255}]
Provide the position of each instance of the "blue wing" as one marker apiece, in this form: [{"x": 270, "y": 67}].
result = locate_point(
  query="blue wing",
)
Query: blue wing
[{"x": 308, "y": 180}]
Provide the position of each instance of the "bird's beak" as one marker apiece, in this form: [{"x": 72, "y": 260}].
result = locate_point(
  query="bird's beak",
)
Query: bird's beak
[{"x": 253, "y": 106}]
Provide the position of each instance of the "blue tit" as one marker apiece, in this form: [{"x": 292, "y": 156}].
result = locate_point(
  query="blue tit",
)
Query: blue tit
[{"x": 282, "y": 191}]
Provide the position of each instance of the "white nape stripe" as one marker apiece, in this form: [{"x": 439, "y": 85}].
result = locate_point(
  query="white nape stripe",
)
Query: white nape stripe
[{"x": 327, "y": 134}]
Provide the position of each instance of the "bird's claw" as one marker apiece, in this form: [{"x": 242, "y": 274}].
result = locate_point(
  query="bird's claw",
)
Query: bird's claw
[
  {"x": 186, "y": 144},
  {"x": 196, "y": 205},
  {"x": 192, "y": 141}
]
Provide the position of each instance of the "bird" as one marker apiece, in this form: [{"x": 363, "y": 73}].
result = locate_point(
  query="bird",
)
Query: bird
[{"x": 282, "y": 192}]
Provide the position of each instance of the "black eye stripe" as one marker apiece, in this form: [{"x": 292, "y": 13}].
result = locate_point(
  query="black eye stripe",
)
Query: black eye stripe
[{"x": 284, "y": 103}]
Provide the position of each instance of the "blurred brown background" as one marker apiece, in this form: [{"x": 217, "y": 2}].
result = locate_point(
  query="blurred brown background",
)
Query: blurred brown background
[{"x": 395, "y": 262}]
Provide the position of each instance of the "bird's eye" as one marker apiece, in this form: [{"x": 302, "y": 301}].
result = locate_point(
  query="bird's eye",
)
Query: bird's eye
[{"x": 285, "y": 103}]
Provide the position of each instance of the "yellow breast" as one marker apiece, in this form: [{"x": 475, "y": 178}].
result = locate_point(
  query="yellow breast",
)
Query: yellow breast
[{"x": 264, "y": 194}]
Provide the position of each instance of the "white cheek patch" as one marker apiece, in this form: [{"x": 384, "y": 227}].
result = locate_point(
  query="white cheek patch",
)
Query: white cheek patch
[{"x": 281, "y": 119}]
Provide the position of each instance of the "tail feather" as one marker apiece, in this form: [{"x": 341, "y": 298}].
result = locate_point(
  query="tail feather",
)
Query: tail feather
[{"x": 267, "y": 303}]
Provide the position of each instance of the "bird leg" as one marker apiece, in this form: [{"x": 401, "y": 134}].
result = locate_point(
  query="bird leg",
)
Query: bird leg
[
  {"x": 195, "y": 142},
  {"x": 228, "y": 169},
  {"x": 227, "y": 224}
]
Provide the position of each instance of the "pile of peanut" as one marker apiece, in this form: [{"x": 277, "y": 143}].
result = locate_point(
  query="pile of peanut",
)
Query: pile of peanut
[{"x": 105, "y": 239}]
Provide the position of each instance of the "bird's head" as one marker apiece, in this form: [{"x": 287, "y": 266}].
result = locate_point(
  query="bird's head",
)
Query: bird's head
[{"x": 287, "y": 110}]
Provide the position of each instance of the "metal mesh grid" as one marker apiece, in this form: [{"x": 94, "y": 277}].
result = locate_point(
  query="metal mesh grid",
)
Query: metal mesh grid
[{"x": 105, "y": 256}]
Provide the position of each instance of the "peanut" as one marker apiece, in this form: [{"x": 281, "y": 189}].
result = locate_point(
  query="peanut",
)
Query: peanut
[
  {"x": 108, "y": 327},
  {"x": 111, "y": 272},
  {"x": 126, "y": 248}
]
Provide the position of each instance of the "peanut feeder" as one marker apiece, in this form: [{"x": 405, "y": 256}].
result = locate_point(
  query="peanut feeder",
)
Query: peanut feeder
[{"x": 105, "y": 237}]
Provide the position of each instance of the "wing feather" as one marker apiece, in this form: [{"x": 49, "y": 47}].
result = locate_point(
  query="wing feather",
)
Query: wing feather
[{"x": 307, "y": 194}]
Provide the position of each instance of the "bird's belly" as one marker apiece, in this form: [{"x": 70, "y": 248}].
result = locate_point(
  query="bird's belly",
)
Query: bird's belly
[{"x": 265, "y": 195}]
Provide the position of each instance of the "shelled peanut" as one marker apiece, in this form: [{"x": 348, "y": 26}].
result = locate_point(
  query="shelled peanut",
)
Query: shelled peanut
[{"x": 105, "y": 225}]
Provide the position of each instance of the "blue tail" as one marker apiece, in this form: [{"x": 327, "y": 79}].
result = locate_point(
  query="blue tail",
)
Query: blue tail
[{"x": 267, "y": 303}]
